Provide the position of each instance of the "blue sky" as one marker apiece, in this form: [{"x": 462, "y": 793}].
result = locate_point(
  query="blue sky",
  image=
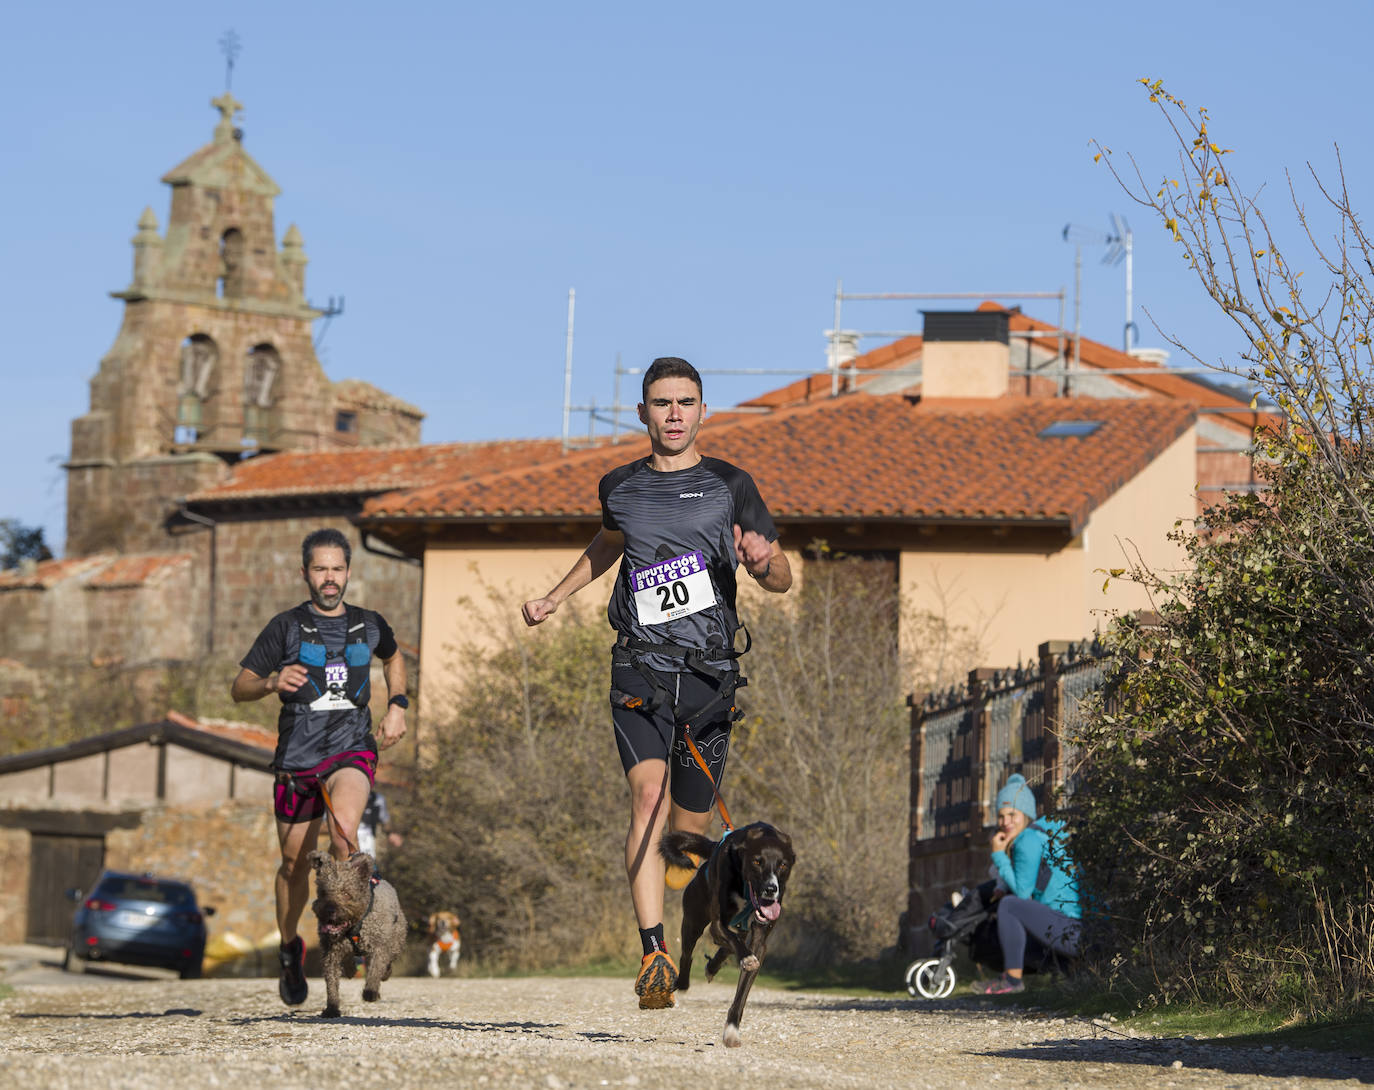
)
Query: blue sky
[{"x": 701, "y": 174}]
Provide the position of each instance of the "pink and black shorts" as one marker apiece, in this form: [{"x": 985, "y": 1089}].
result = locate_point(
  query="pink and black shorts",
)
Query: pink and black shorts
[{"x": 296, "y": 797}]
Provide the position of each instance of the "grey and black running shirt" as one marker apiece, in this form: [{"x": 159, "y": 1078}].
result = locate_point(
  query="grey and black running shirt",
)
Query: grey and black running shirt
[
  {"x": 677, "y": 577},
  {"x": 305, "y": 735}
]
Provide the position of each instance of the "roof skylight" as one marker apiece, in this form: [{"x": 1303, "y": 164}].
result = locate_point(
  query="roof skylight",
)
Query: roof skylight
[{"x": 1070, "y": 429}]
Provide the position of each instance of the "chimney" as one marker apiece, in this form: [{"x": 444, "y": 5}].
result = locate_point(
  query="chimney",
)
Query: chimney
[
  {"x": 841, "y": 348},
  {"x": 966, "y": 353}
]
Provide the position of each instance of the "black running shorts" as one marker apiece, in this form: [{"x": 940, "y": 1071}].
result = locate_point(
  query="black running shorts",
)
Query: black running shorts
[{"x": 641, "y": 735}]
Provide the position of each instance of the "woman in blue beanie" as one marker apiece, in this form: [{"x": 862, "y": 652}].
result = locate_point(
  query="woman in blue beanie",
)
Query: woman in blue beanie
[{"x": 1041, "y": 898}]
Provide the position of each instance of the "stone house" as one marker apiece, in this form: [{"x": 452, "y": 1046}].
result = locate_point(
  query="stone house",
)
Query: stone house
[
  {"x": 180, "y": 798},
  {"x": 177, "y": 797}
]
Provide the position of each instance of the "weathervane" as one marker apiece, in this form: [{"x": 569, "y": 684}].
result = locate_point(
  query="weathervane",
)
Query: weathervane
[{"x": 229, "y": 45}]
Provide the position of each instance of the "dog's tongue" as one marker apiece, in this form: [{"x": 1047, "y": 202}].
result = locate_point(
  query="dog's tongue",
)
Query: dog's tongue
[{"x": 771, "y": 912}]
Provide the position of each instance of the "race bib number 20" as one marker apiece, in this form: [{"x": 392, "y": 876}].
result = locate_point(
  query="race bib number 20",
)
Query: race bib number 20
[{"x": 671, "y": 589}]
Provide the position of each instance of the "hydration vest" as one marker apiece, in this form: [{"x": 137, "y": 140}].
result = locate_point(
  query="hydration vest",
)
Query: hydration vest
[{"x": 345, "y": 678}]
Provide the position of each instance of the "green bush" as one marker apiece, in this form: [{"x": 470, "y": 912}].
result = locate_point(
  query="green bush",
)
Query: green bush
[{"x": 1225, "y": 808}]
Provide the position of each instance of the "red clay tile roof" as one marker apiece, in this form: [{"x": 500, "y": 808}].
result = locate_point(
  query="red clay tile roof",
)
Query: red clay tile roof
[
  {"x": 1092, "y": 354},
  {"x": 246, "y": 733},
  {"x": 49, "y": 573},
  {"x": 355, "y": 391},
  {"x": 878, "y": 457},
  {"x": 1097, "y": 356},
  {"x": 889, "y": 357},
  {"x": 372, "y": 469},
  {"x": 135, "y": 571}
]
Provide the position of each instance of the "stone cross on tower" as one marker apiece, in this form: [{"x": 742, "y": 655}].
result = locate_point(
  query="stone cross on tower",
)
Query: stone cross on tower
[{"x": 228, "y": 106}]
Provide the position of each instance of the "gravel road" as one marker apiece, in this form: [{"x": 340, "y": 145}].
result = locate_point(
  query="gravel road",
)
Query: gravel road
[{"x": 117, "y": 1032}]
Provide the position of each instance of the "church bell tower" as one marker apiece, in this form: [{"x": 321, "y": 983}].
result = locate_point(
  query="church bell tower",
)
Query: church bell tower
[{"x": 214, "y": 358}]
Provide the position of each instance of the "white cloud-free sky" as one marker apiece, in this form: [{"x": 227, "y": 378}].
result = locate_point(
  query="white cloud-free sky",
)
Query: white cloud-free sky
[{"x": 701, "y": 174}]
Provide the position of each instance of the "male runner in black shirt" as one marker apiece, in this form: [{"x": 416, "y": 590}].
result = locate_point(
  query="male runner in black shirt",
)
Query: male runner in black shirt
[
  {"x": 680, "y": 524},
  {"x": 317, "y": 659}
]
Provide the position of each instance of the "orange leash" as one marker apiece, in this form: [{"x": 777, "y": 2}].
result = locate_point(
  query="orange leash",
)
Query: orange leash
[
  {"x": 636, "y": 702},
  {"x": 696, "y": 754},
  {"x": 324, "y": 794}
]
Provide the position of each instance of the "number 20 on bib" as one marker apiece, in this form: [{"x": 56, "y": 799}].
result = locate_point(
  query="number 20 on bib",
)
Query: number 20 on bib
[{"x": 671, "y": 589}]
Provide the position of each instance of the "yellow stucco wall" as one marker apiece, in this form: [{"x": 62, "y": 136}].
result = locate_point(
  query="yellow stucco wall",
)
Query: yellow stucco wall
[
  {"x": 1009, "y": 600},
  {"x": 1133, "y": 527},
  {"x": 1017, "y": 596},
  {"x": 471, "y": 594}
]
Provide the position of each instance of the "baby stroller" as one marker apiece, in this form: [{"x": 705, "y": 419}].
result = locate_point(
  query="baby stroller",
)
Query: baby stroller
[{"x": 970, "y": 917}]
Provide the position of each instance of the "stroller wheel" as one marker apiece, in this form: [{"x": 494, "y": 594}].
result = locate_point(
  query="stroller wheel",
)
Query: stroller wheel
[{"x": 930, "y": 979}]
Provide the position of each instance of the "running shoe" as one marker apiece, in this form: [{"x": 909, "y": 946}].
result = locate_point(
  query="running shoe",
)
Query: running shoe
[
  {"x": 656, "y": 981},
  {"x": 998, "y": 985},
  {"x": 293, "y": 986}
]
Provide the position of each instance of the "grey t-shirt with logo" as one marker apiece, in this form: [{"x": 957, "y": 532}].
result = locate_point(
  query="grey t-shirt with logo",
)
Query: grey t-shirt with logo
[{"x": 677, "y": 578}]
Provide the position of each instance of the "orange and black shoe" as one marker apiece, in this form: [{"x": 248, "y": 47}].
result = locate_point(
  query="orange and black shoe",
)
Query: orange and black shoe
[
  {"x": 293, "y": 986},
  {"x": 656, "y": 982}
]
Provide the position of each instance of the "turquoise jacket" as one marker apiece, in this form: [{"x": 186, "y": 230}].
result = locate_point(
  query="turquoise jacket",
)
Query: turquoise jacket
[{"x": 1020, "y": 870}]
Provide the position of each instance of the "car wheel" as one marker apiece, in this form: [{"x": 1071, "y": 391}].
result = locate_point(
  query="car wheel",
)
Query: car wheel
[
  {"x": 190, "y": 970},
  {"x": 73, "y": 964}
]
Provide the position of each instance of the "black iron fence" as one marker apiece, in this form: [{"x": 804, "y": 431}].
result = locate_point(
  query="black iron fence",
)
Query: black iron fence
[{"x": 966, "y": 741}]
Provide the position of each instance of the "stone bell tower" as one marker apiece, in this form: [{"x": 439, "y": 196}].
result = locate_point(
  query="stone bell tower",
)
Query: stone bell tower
[{"x": 213, "y": 361}]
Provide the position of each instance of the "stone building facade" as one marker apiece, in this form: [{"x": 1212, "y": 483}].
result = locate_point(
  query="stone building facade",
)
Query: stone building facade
[
  {"x": 213, "y": 367},
  {"x": 214, "y": 359},
  {"x": 176, "y": 797}
]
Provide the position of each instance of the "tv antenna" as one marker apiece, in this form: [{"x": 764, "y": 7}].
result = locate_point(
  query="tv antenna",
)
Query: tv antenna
[
  {"x": 1119, "y": 243},
  {"x": 230, "y": 46}
]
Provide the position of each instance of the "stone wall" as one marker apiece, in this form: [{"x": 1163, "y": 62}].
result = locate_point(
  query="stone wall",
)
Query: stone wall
[
  {"x": 14, "y": 890},
  {"x": 227, "y": 851},
  {"x": 127, "y": 507},
  {"x": 155, "y": 622},
  {"x": 258, "y": 574}
]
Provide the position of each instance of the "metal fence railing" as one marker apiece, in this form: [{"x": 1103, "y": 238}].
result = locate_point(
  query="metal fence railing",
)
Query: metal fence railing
[{"x": 967, "y": 741}]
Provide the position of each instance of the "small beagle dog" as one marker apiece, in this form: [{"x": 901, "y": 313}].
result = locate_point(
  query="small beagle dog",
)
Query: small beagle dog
[{"x": 444, "y": 939}]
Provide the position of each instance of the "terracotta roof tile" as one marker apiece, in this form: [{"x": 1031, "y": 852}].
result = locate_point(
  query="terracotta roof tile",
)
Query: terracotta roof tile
[
  {"x": 136, "y": 571},
  {"x": 356, "y": 391},
  {"x": 49, "y": 573},
  {"x": 247, "y": 733},
  {"x": 889, "y": 357},
  {"x": 1164, "y": 380},
  {"x": 883, "y": 456},
  {"x": 372, "y": 469}
]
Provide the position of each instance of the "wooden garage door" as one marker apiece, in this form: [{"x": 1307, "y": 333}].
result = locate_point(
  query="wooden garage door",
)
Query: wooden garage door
[{"x": 57, "y": 864}]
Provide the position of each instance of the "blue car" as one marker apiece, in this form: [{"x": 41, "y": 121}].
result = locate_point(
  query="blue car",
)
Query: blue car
[{"x": 138, "y": 919}]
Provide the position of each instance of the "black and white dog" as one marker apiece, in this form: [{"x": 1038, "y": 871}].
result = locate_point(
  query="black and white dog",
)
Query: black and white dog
[{"x": 737, "y": 892}]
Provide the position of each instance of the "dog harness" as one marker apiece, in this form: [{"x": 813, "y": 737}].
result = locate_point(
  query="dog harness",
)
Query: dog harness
[
  {"x": 743, "y": 919},
  {"x": 355, "y": 936},
  {"x": 337, "y": 681}
]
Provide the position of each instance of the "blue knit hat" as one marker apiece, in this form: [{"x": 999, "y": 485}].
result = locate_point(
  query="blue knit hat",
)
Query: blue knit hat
[{"x": 1018, "y": 795}]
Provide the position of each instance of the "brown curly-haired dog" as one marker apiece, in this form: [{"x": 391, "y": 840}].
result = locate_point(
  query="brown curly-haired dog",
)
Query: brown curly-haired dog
[{"x": 358, "y": 913}]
